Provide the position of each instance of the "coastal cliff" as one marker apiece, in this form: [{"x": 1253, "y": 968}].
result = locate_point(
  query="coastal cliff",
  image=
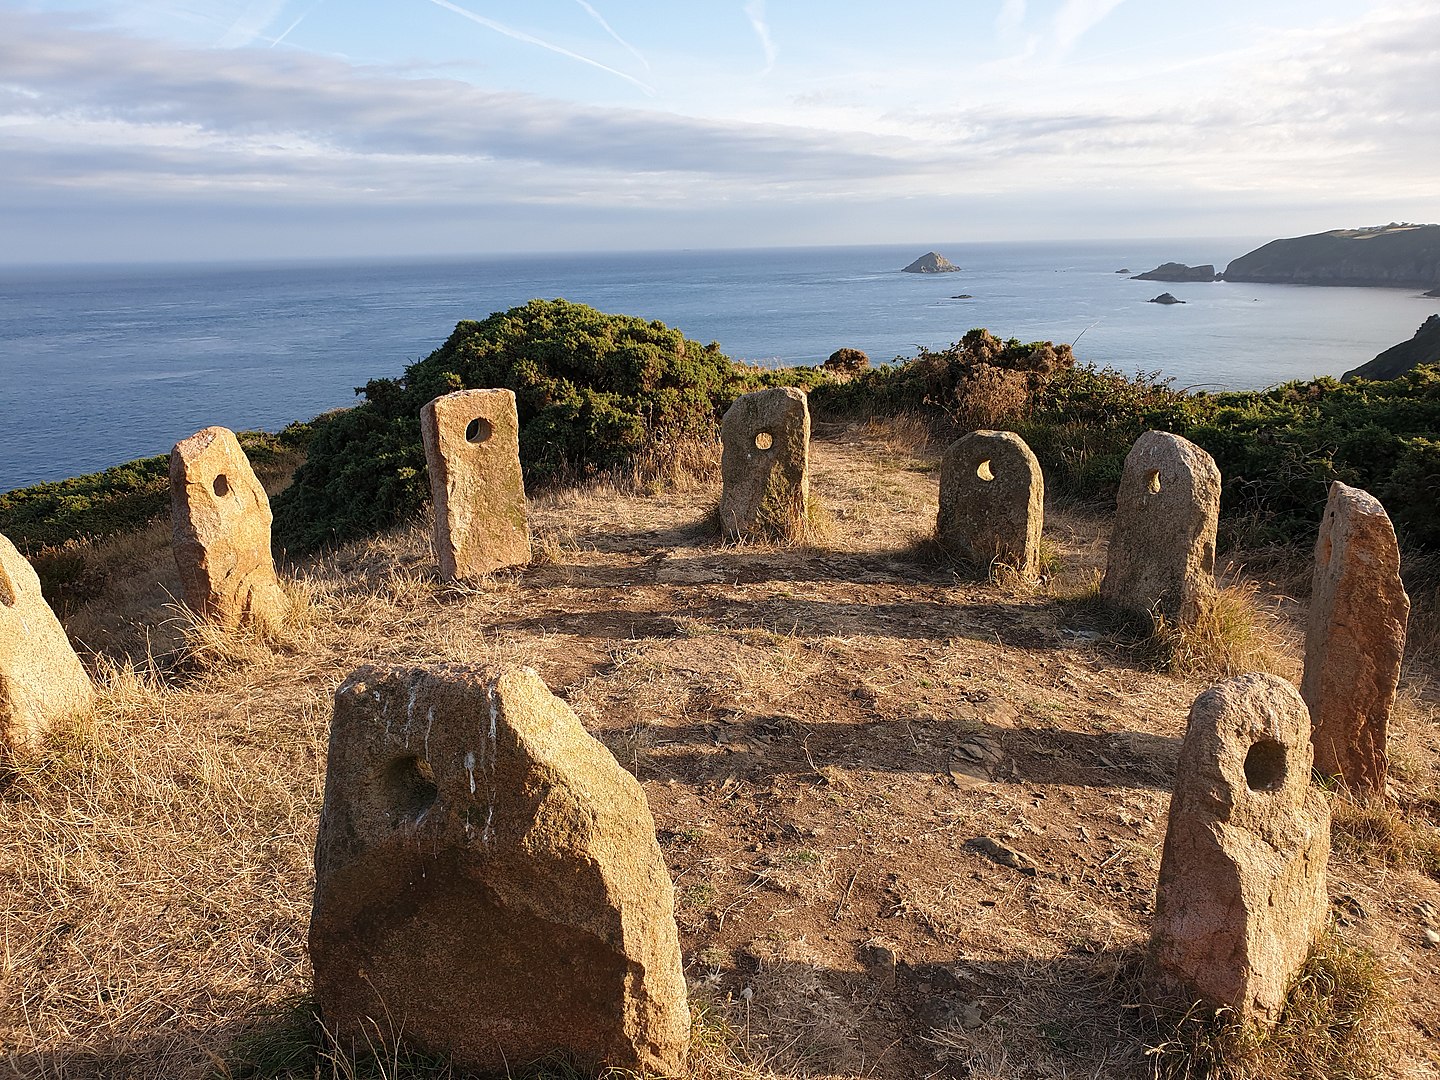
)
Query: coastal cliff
[
  {"x": 1423, "y": 348},
  {"x": 1395, "y": 255}
]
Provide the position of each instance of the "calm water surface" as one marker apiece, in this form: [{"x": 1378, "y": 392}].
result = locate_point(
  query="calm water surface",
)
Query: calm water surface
[{"x": 102, "y": 365}]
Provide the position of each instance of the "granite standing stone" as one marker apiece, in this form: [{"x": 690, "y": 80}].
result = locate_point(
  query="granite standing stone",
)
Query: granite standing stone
[
  {"x": 1241, "y": 896},
  {"x": 220, "y": 523},
  {"x": 1355, "y": 639},
  {"x": 1162, "y": 550},
  {"x": 992, "y": 502},
  {"x": 488, "y": 882},
  {"x": 41, "y": 679},
  {"x": 765, "y": 465},
  {"x": 472, "y": 453}
]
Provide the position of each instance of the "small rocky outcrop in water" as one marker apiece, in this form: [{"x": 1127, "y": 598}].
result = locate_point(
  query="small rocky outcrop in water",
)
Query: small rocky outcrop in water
[
  {"x": 1123, "y": 270},
  {"x": 1164, "y": 298},
  {"x": 932, "y": 262},
  {"x": 1423, "y": 348},
  {"x": 1173, "y": 271}
]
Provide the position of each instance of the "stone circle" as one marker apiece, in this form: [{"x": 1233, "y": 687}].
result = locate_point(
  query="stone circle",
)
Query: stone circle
[
  {"x": 992, "y": 502},
  {"x": 765, "y": 466}
]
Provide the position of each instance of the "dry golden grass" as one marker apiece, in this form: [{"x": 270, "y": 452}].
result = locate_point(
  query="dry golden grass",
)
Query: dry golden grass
[
  {"x": 1233, "y": 635},
  {"x": 798, "y": 716}
]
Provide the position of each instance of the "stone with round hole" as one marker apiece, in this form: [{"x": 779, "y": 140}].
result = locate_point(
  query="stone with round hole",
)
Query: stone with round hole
[
  {"x": 42, "y": 681},
  {"x": 1354, "y": 639},
  {"x": 765, "y": 466},
  {"x": 1161, "y": 560},
  {"x": 992, "y": 502},
  {"x": 1241, "y": 894},
  {"x": 220, "y": 532},
  {"x": 488, "y": 884},
  {"x": 472, "y": 455}
]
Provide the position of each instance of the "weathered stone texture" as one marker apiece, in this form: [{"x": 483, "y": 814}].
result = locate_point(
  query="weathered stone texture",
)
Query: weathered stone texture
[
  {"x": 1162, "y": 550},
  {"x": 41, "y": 679},
  {"x": 765, "y": 465},
  {"x": 488, "y": 881},
  {"x": 220, "y": 532},
  {"x": 472, "y": 453},
  {"x": 992, "y": 502},
  {"x": 1355, "y": 639},
  {"x": 1241, "y": 896}
]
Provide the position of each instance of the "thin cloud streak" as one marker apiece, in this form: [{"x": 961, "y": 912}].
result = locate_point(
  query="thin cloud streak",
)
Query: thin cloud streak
[
  {"x": 510, "y": 32},
  {"x": 755, "y": 12},
  {"x": 1078, "y": 16},
  {"x": 299, "y": 19},
  {"x": 611, "y": 31}
]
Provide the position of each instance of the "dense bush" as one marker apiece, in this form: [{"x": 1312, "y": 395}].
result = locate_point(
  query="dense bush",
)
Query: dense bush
[{"x": 591, "y": 389}]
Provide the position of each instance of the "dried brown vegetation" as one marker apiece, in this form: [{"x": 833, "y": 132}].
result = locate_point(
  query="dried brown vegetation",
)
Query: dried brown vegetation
[{"x": 823, "y": 732}]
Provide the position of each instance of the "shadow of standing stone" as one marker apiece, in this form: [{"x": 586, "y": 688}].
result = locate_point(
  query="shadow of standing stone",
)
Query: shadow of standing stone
[
  {"x": 472, "y": 456},
  {"x": 992, "y": 502},
  {"x": 1355, "y": 639},
  {"x": 765, "y": 466},
  {"x": 488, "y": 884},
  {"x": 41, "y": 679},
  {"x": 220, "y": 532},
  {"x": 1162, "y": 551},
  {"x": 1241, "y": 895}
]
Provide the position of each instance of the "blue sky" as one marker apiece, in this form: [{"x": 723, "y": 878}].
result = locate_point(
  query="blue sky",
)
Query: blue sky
[{"x": 213, "y": 129}]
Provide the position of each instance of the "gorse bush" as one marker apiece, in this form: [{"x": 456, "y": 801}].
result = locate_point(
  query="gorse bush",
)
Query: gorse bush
[{"x": 591, "y": 390}]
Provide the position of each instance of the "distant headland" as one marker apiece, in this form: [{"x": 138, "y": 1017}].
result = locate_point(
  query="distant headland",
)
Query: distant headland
[{"x": 1398, "y": 254}]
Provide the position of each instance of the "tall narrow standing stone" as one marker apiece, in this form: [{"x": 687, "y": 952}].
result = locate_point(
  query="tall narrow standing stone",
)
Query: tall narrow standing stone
[
  {"x": 1355, "y": 639},
  {"x": 992, "y": 502},
  {"x": 41, "y": 679},
  {"x": 1162, "y": 550},
  {"x": 765, "y": 465},
  {"x": 1241, "y": 896},
  {"x": 488, "y": 885},
  {"x": 220, "y": 525},
  {"x": 472, "y": 453}
]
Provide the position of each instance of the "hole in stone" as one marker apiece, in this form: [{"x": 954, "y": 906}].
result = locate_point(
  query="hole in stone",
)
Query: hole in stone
[
  {"x": 1265, "y": 767},
  {"x": 763, "y": 441},
  {"x": 1153, "y": 481},
  {"x": 221, "y": 485},
  {"x": 983, "y": 472},
  {"x": 478, "y": 430},
  {"x": 410, "y": 783},
  {"x": 7, "y": 589}
]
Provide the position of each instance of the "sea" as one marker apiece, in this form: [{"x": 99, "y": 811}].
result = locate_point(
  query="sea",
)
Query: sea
[{"x": 103, "y": 364}]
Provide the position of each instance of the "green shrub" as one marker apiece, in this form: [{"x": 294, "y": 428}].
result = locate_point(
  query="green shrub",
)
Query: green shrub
[
  {"x": 591, "y": 390},
  {"x": 122, "y": 498}
]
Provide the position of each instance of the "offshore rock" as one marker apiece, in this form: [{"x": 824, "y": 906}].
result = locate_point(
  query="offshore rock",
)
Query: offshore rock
[
  {"x": 1241, "y": 895},
  {"x": 932, "y": 262},
  {"x": 765, "y": 466},
  {"x": 1162, "y": 551},
  {"x": 1355, "y": 639},
  {"x": 1172, "y": 271},
  {"x": 41, "y": 679},
  {"x": 472, "y": 456},
  {"x": 488, "y": 884},
  {"x": 992, "y": 502},
  {"x": 220, "y": 532}
]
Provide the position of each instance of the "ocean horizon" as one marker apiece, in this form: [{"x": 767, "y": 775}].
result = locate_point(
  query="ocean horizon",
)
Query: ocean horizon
[{"x": 105, "y": 363}]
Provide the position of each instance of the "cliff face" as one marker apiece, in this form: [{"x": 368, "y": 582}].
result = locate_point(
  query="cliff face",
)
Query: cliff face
[
  {"x": 1423, "y": 348},
  {"x": 1398, "y": 255}
]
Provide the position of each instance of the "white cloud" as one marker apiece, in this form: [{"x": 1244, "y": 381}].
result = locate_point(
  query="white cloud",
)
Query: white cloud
[
  {"x": 755, "y": 12},
  {"x": 1075, "y": 17}
]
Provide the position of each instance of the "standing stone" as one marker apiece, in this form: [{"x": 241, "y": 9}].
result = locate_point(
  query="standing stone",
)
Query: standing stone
[
  {"x": 488, "y": 884},
  {"x": 41, "y": 678},
  {"x": 1355, "y": 639},
  {"x": 992, "y": 502},
  {"x": 472, "y": 453},
  {"x": 765, "y": 465},
  {"x": 1162, "y": 550},
  {"x": 220, "y": 532},
  {"x": 1241, "y": 897}
]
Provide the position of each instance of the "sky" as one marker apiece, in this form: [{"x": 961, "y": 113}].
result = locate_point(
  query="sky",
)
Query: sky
[{"x": 250, "y": 129}]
